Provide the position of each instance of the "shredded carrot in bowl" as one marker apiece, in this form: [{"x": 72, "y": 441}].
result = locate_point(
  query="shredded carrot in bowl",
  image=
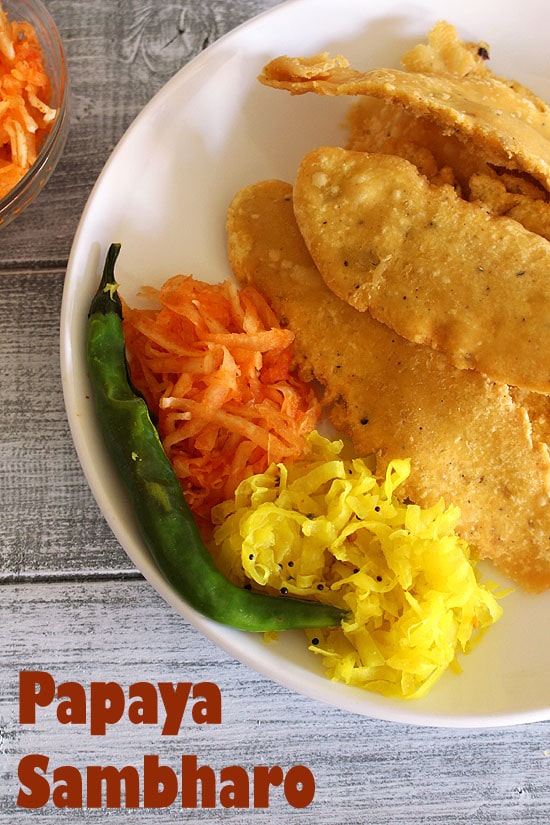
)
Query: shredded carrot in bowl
[
  {"x": 215, "y": 368},
  {"x": 25, "y": 114}
]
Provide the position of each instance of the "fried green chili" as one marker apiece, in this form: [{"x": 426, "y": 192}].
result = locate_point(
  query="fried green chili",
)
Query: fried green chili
[{"x": 164, "y": 518}]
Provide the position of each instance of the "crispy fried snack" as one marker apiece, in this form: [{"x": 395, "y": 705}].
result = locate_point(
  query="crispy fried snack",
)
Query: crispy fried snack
[
  {"x": 523, "y": 202},
  {"x": 537, "y": 407},
  {"x": 376, "y": 125},
  {"x": 446, "y": 53},
  {"x": 435, "y": 268},
  {"x": 468, "y": 441},
  {"x": 501, "y": 119}
]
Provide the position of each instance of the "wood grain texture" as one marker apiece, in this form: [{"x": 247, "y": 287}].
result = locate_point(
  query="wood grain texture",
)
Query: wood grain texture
[
  {"x": 71, "y": 602},
  {"x": 366, "y": 771},
  {"x": 51, "y": 524}
]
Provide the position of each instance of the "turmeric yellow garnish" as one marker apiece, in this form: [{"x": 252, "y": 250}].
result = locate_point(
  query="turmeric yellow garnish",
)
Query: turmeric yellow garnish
[{"x": 325, "y": 527}]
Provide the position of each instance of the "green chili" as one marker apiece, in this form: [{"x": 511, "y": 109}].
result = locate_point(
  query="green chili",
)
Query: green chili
[{"x": 164, "y": 518}]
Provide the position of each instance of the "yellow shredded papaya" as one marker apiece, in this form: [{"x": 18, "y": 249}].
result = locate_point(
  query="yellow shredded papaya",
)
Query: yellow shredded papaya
[
  {"x": 327, "y": 527},
  {"x": 215, "y": 368}
]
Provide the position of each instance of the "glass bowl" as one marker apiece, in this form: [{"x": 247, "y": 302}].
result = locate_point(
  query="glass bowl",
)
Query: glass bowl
[{"x": 26, "y": 190}]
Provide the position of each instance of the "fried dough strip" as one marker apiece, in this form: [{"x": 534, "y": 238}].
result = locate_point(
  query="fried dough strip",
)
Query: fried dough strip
[
  {"x": 468, "y": 442},
  {"x": 537, "y": 407},
  {"x": 511, "y": 130},
  {"x": 435, "y": 268},
  {"x": 375, "y": 126},
  {"x": 446, "y": 53},
  {"x": 532, "y": 211}
]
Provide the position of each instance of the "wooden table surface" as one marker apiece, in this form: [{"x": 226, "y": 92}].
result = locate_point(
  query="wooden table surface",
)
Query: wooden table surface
[{"x": 71, "y": 603}]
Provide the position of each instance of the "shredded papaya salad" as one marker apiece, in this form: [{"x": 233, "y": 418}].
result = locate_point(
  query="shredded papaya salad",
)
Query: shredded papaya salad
[
  {"x": 285, "y": 509},
  {"x": 214, "y": 367},
  {"x": 325, "y": 527}
]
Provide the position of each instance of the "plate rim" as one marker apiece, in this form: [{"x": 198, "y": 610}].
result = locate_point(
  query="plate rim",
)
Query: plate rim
[{"x": 226, "y": 638}]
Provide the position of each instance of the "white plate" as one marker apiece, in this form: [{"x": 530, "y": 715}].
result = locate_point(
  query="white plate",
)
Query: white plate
[{"x": 163, "y": 194}]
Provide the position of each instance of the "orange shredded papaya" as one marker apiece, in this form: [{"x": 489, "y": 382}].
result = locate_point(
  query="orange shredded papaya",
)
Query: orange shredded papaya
[
  {"x": 215, "y": 368},
  {"x": 25, "y": 113}
]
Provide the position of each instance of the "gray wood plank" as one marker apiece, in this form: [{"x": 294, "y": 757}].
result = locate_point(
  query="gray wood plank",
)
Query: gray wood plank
[
  {"x": 50, "y": 522},
  {"x": 365, "y": 771}
]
